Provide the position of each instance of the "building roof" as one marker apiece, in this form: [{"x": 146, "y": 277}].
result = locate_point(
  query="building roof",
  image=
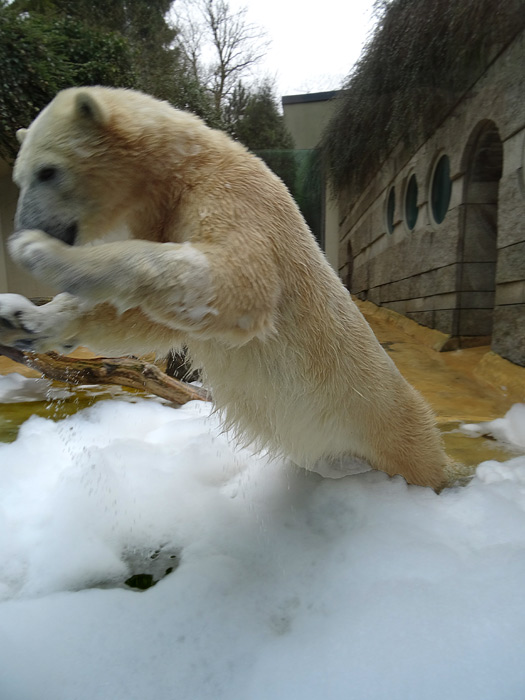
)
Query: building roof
[{"x": 310, "y": 97}]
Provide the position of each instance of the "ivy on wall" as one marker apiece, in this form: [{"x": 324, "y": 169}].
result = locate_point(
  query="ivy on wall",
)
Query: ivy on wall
[{"x": 422, "y": 57}]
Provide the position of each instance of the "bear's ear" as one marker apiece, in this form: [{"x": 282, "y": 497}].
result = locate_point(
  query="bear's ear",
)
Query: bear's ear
[
  {"x": 89, "y": 108},
  {"x": 20, "y": 135}
]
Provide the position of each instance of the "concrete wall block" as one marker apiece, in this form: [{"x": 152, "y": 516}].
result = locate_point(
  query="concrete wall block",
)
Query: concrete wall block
[
  {"x": 346, "y": 254},
  {"x": 418, "y": 304},
  {"x": 456, "y": 195},
  {"x": 511, "y": 211},
  {"x": 424, "y": 318},
  {"x": 396, "y": 291},
  {"x": 405, "y": 259},
  {"x": 439, "y": 281},
  {"x": 443, "y": 301},
  {"x": 513, "y": 153},
  {"x": 426, "y": 284},
  {"x": 508, "y": 335},
  {"x": 431, "y": 303},
  {"x": 343, "y": 249},
  {"x": 483, "y": 192},
  {"x": 505, "y": 78},
  {"x": 510, "y": 293},
  {"x": 475, "y": 322},
  {"x": 343, "y": 273},
  {"x": 433, "y": 249},
  {"x": 444, "y": 320},
  {"x": 393, "y": 264},
  {"x": 480, "y": 233},
  {"x": 360, "y": 279},
  {"x": 387, "y": 266},
  {"x": 478, "y": 277},
  {"x": 398, "y": 306},
  {"x": 476, "y": 300},
  {"x": 417, "y": 286},
  {"x": 345, "y": 226},
  {"x": 451, "y": 223},
  {"x": 374, "y": 295},
  {"x": 357, "y": 207},
  {"x": 377, "y": 220},
  {"x": 360, "y": 237},
  {"x": 511, "y": 263}
]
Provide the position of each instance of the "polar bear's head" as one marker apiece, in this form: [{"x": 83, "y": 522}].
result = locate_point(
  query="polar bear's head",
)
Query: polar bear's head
[
  {"x": 61, "y": 190},
  {"x": 96, "y": 158}
]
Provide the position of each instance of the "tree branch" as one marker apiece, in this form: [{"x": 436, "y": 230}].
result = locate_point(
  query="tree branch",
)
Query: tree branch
[{"x": 123, "y": 371}]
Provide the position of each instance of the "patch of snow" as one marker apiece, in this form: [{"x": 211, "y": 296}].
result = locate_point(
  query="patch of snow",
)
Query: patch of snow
[
  {"x": 288, "y": 585},
  {"x": 510, "y": 429}
]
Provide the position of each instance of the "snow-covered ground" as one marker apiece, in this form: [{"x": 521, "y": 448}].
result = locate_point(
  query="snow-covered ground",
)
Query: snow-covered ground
[{"x": 284, "y": 585}]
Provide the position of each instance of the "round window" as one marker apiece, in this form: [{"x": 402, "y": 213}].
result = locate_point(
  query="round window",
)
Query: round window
[
  {"x": 411, "y": 209},
  {"x": 390, "y": 209},
  {"x": 441, "y": 189}
]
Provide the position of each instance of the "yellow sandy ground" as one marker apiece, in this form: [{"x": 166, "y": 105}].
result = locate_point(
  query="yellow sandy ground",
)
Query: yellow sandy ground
[{"x": 473, "y": 384}]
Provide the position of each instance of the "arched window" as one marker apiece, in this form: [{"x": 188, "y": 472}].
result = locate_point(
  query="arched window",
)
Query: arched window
[
  {"x": 411, "y": 208},
  {"x": 441, "y": 189},
  {"x": 390, "y": 209}
]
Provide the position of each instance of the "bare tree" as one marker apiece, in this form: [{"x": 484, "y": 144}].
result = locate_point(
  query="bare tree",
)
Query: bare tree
[{"x": 220, "y": 44}]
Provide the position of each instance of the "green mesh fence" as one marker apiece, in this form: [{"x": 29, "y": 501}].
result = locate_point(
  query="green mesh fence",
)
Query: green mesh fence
[{"x": 300, "y": 170}]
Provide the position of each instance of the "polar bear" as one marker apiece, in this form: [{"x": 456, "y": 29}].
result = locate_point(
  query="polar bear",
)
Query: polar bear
[{"x": 218, "y": 259}]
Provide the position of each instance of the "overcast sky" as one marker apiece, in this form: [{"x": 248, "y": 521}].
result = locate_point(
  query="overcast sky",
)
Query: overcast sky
[{"x": 312, "y": 46}]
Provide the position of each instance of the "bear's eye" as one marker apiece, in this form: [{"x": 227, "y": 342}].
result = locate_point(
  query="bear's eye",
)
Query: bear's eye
[{"x": 46, "y": 174}]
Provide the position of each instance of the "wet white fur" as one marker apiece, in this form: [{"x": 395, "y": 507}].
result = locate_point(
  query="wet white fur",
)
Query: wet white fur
[{"x": 223, "y": 263}]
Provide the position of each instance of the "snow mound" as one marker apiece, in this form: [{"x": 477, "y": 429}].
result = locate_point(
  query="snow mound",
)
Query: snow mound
[
  {"x": 510, "y": 429},
  {"x": 284, "y": 584}
]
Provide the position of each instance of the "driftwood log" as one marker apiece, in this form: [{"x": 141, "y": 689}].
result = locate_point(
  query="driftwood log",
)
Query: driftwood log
[{"x": 123, "y": 371}]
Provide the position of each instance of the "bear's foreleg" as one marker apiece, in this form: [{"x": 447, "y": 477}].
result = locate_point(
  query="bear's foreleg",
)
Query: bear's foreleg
[
  {"x": 202, "y": 289},
  {"x": 126, "y": 274},
  {"x": 66, "y": 322}
]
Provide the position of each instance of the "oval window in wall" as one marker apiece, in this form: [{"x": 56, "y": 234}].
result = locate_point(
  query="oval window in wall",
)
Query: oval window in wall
[
  {"x": 411, "y": 210},
  {"x": 390, "y": 209},
  {"x": 441, "y": 189}
]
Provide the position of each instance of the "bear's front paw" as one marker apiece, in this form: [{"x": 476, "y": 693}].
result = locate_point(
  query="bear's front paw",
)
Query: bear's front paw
[
  {"x": 32, "y": 249},
  {"x": 19, "y": 322},
  {"x": 34, "y": 328}
]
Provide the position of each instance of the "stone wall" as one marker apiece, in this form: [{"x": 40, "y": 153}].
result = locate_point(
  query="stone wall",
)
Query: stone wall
[{"x": 465, "y": 274}]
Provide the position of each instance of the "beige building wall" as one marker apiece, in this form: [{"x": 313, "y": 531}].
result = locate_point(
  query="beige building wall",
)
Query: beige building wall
[
  {"x": 12, "y": 278},
  {"x": 305, "y": 117}
]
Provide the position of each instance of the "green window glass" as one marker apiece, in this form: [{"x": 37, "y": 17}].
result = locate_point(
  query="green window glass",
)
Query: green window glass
[{"x": 441, "y": 189}]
